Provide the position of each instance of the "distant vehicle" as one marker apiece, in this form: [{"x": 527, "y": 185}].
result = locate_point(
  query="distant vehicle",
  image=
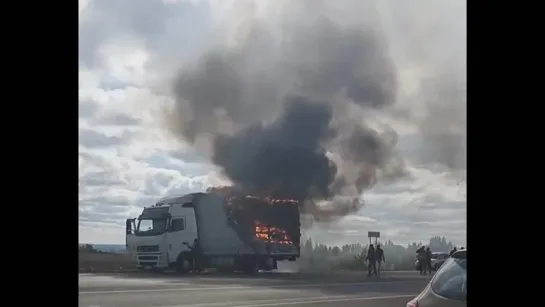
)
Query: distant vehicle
[
  {"x": 437, "y": 260},
  {"x": 236, "y": 232},
  {"x": 448, "y": 287}
]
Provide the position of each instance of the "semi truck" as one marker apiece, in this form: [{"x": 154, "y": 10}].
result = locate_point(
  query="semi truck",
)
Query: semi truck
[{"x": 235, "y": 232}]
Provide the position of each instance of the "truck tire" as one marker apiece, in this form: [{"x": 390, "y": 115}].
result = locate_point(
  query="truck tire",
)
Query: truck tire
[
  {"x": 183, "y": 263},
  {"x": 269, "y": 264},
  {"x": 250, "y": 267}
]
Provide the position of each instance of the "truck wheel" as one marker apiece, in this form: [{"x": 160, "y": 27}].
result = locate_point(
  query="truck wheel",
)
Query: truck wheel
[
  {"x": 269, "y": 264},
  {"x": 183, "y": 264},
  {"x": 251, "y": 267}
]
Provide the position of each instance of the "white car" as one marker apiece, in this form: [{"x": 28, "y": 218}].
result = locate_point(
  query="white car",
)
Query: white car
[{"x": 448, "y": 287}]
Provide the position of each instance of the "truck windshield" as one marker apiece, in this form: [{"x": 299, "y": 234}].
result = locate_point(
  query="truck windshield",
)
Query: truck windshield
[{"x": 150, "y": 227}]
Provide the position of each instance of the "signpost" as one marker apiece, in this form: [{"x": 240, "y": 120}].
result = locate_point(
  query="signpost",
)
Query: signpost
[{"x": 373, "y": 234}]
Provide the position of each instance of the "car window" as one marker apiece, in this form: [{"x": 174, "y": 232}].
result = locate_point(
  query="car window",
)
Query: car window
[{"x": 451, "y": 280}]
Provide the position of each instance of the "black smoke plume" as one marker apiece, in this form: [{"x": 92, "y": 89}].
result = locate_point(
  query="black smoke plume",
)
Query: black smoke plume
[
  {"x": 291, "y": 115},
  {"x": 286, "y": 155}
]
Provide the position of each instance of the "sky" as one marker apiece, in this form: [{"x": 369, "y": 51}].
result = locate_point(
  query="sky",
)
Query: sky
[{"x": 130, "y": 51}]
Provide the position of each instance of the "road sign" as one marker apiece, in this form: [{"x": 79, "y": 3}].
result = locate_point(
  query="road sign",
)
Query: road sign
[{"x": 373, "y": 234}]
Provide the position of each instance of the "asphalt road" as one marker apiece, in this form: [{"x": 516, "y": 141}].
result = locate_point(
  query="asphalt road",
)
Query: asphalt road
[{"x": 282, "y": 289}]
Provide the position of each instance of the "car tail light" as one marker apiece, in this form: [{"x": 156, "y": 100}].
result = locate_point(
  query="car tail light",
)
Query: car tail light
[{"x": 413, "y": 303}]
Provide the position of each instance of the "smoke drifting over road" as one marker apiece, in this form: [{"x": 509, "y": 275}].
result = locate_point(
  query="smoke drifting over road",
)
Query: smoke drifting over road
[{"x": 289, "y": 110}]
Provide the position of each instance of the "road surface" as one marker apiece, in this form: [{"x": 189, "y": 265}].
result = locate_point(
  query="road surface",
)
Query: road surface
[{"x": 262, "y": 290}]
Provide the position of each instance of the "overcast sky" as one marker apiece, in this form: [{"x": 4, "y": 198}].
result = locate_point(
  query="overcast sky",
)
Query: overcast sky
[{"x": 129, "y": 50}]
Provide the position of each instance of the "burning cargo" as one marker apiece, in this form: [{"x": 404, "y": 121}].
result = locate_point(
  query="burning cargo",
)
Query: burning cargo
[
  {"x": 234, "y": 232},
  {"x": 272, "y": 221}
]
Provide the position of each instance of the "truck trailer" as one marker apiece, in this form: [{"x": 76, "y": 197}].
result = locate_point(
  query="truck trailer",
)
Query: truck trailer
[{"x": 235, "y": 232}]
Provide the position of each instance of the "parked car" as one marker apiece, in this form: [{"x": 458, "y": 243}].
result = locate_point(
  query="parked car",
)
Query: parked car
[
  {"x": 448, "y": 287},
  {"x": 437, "y": 260}
]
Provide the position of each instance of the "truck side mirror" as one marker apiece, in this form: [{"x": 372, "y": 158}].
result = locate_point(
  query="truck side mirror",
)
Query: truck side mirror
[{"x": 129, "y": 226}]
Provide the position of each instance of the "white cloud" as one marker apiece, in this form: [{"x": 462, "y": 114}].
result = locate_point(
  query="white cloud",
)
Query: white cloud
[
  {"x": 125, "y": 59},
  {"x": 127, "y": 160}
]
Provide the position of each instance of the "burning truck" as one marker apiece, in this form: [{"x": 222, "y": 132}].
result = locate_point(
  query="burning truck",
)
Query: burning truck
[{"x": 236, "y": 232}]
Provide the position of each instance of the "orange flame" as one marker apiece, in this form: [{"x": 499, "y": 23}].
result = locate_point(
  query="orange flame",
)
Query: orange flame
[{"x": 271, "y": 234}]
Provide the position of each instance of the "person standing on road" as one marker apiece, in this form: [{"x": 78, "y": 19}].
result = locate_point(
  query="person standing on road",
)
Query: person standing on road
[
  {"x": 421, "y": 257},
  {"x": 196, "y": 252},
  {"x": 453, "y": 251},
  {"x": 371, "y": 263},
  {"x": 379, "y": 257},
  {"x": 428, "y": 259}
]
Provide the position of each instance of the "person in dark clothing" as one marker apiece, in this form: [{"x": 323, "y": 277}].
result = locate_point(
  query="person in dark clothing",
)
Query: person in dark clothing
[
  {"x": 428, "y": 260},
  {"x": 371, "y": 261},
  {"x": 421, "y": 257},
  {"x": 453, "y": 251},
  {"x": 196, "y": 251},
  {"x": 379, "y": 257}
]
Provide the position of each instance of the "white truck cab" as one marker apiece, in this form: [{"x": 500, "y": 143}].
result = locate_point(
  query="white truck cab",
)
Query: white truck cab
[{"x": 156, "y": 238}]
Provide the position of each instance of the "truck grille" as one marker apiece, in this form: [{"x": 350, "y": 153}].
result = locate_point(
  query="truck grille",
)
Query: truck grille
[
  {"x": 154, "y": 258},
  {"x": 147, "y": 248}
]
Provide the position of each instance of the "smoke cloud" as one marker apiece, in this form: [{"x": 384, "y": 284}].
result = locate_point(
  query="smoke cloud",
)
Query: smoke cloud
[{"x": 289, "y": 109}]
